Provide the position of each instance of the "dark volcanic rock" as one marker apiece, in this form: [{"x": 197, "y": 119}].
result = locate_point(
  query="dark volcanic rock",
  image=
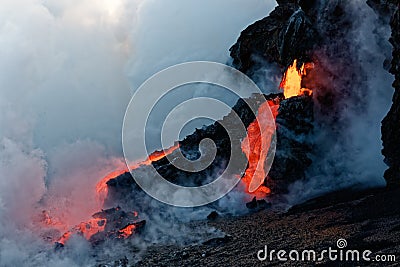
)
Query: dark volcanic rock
[
  {"x": 286, "y": 34},
  {"x": 294, "y": 134},
  {"x": 391, "y": 123},
  {"x": 322, "y": 32},
  {"x": 189, "y": 147}
]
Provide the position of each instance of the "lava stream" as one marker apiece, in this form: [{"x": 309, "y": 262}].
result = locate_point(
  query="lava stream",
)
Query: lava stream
[{"x": 102, "y": 188}]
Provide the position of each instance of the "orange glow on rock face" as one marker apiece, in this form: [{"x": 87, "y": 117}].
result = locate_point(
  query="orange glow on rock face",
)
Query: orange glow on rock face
[
  {"x": 291, "y": 82},
  {"x": 256, "y": 146}
]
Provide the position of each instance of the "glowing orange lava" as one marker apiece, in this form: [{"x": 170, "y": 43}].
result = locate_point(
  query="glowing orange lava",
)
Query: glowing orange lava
[
  {"x": 65, "y": 237},
  {"x": 127, "y": 231},
  {"x": 256, "y": 146},
  {"x": 102, "y": 188},
  {"x": 96, "y": 225},
  {"x": 86, "y": 229},
  {"x": 291, "y": 82}
]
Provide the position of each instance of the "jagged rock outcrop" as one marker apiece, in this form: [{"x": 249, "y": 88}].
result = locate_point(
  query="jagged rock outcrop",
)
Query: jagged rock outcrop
[
  {"x": 391, "y": 123},
  {"x": 264, "y": 40}
]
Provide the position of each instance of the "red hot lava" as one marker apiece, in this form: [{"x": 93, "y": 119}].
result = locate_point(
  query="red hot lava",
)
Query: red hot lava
[
  {"x": 102, "y": 188},
  {"x": 259, "y": 133},
  {"x": 96, "y": 225},
  {"x": 291, "y": 82},
  {"x": 255, "y": 146}
]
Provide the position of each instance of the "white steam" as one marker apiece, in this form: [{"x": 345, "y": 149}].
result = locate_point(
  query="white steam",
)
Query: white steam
[
  {"x": 355, "y": 159},
  {"x": 68, "y": 70}
]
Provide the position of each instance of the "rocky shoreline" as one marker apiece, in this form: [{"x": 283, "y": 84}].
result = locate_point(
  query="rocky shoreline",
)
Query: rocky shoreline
[{"x": 367, "y": 220}]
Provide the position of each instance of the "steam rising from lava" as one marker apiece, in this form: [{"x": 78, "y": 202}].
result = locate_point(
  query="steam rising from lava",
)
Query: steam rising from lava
[{"x": 64, "y": 90}]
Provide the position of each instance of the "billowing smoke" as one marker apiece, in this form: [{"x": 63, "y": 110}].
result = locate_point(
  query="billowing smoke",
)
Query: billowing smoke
[
  {"x": 347, "y": 134},
  {"x": 68, "y": 71}
]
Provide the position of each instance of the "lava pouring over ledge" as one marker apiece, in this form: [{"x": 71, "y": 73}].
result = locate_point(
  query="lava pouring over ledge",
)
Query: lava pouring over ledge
[
  {"x": 255, "y": 146},
  {"x": 259, "y": 133}
]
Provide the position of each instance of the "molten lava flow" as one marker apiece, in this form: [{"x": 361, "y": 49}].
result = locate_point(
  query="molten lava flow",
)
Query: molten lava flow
[
  {"x": 86, "y": 229},
  {"x": 157, "y": 155},
  {"x": 102, "y": 188},
  {"x": 96, "y": 225},
  {"x": 291, "y": 82},
  {"x": 256, "y": 146},
  {"x": 259, "y": 133},
  {"x": 64, "y": 238},
  {"x": 91, "y": 227},
  {"x": 127, "y": 231}
]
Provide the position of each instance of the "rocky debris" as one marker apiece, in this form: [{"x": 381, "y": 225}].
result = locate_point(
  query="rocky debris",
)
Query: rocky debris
[
  {"x": 258, "y": 204},
  {"x": 391, "y": 123},
  {"x": 124, "y": 262},
  {"x": 368, "y": 220}
]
